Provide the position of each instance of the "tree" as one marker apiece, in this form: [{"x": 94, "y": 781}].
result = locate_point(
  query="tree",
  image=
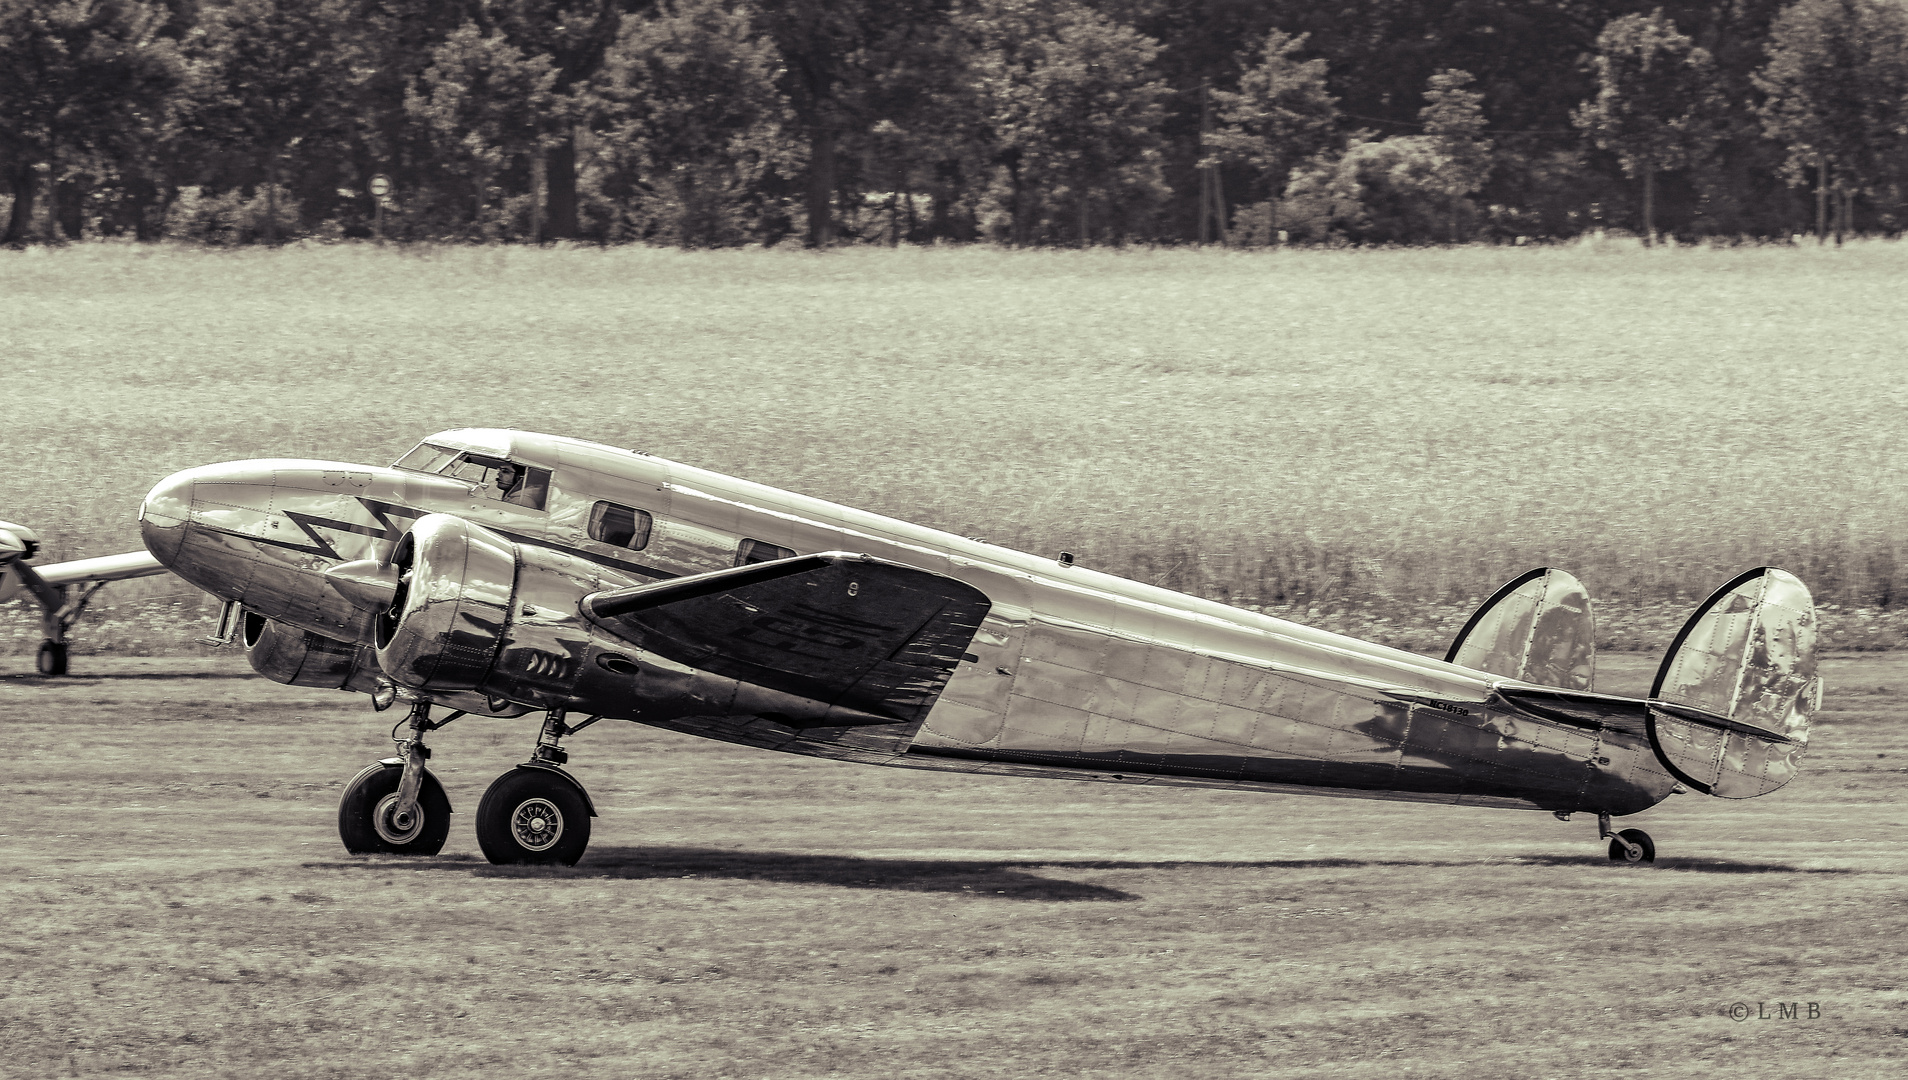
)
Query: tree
[
  {"x": 76, "y": 76},
  {"x": 1837, "y": 98},
  {"x": 487, "y": 105},
  {"x": 1069, "y": 106},
  {"x": 1454, "y": 132},
  {"x": 693, "y": 114},
  {"x": 1655, "y": 103},
  {"x": 1280, "y": 115},
  {"x": 572, "y": 36},
  {"x": 273, "y": 74}
]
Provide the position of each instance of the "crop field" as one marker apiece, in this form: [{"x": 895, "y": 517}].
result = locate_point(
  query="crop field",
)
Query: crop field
[
  {"x": 177, "y": 904},
  {"x": 1369, "y": 441}
]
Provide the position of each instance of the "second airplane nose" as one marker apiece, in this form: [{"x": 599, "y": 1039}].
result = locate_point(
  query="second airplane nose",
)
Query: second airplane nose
[{"x": 163, "y": 516}]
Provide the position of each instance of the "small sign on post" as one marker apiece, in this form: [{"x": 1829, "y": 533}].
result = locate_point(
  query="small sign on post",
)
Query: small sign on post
[{"x": 381, "y": 191}]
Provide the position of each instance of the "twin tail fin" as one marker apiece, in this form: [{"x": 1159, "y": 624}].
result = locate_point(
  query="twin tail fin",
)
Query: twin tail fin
[{"x": 1733, "y": 701}]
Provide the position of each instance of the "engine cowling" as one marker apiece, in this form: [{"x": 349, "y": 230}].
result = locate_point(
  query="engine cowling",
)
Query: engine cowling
[
  {"x": 297, "y": 657},
  {"x": 455, "y": 583},
  {"x": 477, "y": 613}
]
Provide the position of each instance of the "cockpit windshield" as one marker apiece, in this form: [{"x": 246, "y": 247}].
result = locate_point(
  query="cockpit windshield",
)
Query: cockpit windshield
[{"x": 426, "y": 458}]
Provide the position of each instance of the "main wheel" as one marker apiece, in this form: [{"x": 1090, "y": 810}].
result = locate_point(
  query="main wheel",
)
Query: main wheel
[
  {"x": 52, "y": 658},
  {"x": 1645, "y": 850},
  {"x": 368, "y": 824},
  {"x": 532, "y": 816}
]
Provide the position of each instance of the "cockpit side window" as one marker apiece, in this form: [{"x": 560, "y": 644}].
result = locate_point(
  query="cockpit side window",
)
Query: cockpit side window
[
  {"x": 500, "y": 478},
  {"x": 531, "y": 491},
  {"x": 426, "y": 458}
]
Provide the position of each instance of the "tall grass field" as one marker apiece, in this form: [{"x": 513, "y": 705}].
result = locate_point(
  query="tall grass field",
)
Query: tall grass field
[{"x": 1365, "y": 440}]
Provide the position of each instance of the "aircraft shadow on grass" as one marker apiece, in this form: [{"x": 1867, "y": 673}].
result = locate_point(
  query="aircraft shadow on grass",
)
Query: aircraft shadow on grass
[
  {"x": 1691, "y": 864},
  {"x": 129, "y": 676},
  {"x": 1005, "y": 879}
]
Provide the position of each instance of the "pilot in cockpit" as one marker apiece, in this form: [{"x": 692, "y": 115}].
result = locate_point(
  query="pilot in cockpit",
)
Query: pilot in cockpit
[{"x": 508, "y": 479}]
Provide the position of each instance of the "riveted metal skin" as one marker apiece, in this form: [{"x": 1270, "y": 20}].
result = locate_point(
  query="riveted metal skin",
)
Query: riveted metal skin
[{"x": 1002, "y": 662}]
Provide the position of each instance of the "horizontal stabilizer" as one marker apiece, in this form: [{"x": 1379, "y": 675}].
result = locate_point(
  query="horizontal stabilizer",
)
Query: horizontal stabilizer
[
  {"x": 847, "y": 630},
  {"x": 1537, "y": 628},
  {"x": 1738, "y": 690}
]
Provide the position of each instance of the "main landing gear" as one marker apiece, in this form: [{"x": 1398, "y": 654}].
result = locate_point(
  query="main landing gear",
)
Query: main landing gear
[
  {"x": 395, "y": 806},
  {"x": 536, "y": 813}
]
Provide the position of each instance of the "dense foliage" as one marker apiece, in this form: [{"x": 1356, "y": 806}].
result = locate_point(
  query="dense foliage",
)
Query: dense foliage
[{"x": 724, "y": 122}]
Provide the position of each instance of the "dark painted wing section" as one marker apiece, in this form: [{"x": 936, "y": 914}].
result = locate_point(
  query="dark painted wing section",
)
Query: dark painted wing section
[{"x": 848, "y": 630}]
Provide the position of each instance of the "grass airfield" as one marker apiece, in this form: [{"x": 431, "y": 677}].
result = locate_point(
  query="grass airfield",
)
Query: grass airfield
[
  {"x": 178, "y": 904},
  {"x": 1367, "y": 441}
]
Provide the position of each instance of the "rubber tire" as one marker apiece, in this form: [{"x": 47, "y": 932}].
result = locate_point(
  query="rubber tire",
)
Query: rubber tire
[
  {"x": 1618, "y": 854},
  {"x": 52, "y": 659},
  {"x": 510, "y": 791},
  {"x": 361, "y": 798}
]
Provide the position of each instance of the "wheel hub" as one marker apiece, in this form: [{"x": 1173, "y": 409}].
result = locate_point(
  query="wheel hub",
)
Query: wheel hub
[
  {"x": 395, "y": 828},
  {"x": 536, "y": 824}
]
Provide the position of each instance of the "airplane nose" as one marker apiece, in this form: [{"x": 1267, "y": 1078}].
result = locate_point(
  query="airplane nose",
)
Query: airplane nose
[{"x": 163, "y": 516}]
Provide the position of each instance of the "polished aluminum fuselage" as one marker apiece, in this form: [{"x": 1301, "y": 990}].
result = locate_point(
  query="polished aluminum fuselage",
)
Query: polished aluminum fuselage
[{"x": 1074, "y": 673}]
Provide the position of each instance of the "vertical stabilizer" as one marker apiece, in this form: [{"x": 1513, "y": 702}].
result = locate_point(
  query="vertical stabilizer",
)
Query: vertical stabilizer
[
  {"x": 1537, "y": 628},
  {"x": 1738, "y": 690}
]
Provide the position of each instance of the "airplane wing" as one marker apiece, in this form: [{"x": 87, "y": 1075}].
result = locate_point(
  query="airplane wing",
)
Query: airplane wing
[
  {"x": 131, "y": 564},
  {"x": 863, "y": 635}
]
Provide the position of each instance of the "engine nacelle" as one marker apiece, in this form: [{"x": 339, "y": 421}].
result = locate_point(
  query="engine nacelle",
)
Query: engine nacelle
[
  {"x": 478, "y": 614},
  {"x": 475, "y": 612},
  {"x": 297, "y": 657},
  {"x": 453, "y": 597}
]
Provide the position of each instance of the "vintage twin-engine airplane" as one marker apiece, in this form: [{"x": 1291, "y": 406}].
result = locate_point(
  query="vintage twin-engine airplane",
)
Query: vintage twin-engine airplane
[{"x": 503, "y": 573}]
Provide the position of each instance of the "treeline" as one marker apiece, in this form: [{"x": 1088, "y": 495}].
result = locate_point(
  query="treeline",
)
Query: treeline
[{"x": 724, "y": 122}]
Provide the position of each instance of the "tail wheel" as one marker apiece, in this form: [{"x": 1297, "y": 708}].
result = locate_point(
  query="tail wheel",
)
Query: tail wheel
[
  {"x": 1638, "y": 849},
  {"x": 533, "y": 816},
  {"x": 368, "y": 826},
  {"x": 52, "y": 658}
]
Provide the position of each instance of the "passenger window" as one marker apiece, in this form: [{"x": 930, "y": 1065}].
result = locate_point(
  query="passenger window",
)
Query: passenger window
[
  {"x": 755, "y": 551},
  {"x": 620, "y": 525}
]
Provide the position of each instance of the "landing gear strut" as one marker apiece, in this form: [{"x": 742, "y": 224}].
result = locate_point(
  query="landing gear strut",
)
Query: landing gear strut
[
  {"x": 60, "y": 608},
  {"x": 1628, "y": 846},
  {"x": 537, "y": 813},
  {"x": 396, "y": 806}
]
